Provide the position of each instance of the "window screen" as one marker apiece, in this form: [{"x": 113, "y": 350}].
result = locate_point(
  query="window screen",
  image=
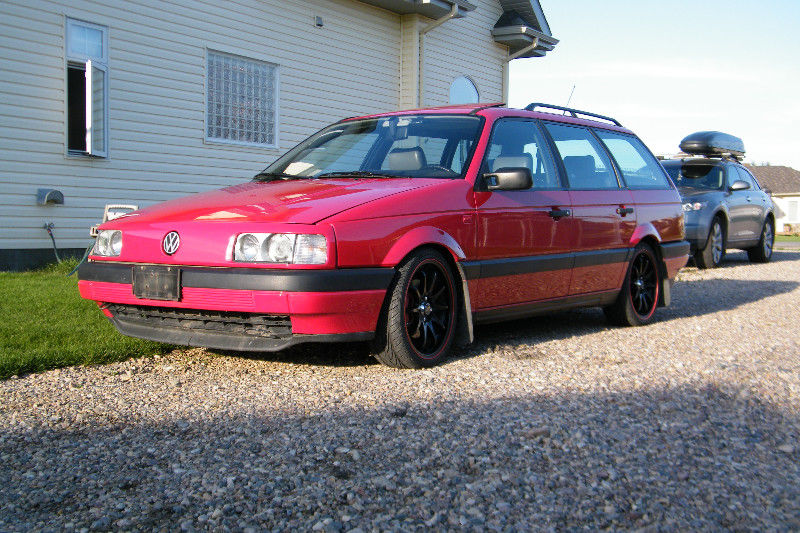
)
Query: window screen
[
  {"x": 87, "y": 88},
  {"x": 242, "y": 100}
]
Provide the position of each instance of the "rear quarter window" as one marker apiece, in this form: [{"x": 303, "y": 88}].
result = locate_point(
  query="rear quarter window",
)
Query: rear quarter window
[{"x": 639, "y": 168}]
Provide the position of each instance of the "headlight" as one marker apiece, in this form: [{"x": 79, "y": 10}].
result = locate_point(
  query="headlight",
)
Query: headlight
[
  {"x": 281, "y": 248},
  {"x": 694, "y": 206},
  {"x": 108, "y": 243},
  {"x": 247, "y": 248}
]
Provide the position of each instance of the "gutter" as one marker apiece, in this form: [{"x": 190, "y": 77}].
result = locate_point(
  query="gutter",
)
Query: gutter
[
  {"x": 421, "y": 59},
  {"x": 523, "y": 51}
]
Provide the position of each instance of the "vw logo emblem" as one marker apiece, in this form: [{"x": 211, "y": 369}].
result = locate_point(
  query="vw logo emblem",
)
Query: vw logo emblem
[{"x": 171, "y": 242}]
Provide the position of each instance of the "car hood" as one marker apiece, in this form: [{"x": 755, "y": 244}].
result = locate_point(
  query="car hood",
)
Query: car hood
[
  {"x": 304, "y": 201},
  {"x": 690, "y": 193}
]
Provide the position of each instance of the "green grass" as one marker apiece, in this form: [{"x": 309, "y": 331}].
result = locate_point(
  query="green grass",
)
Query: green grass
[
  {"x": 44, "y": 323},
  {"x": 787, "y": 238}
]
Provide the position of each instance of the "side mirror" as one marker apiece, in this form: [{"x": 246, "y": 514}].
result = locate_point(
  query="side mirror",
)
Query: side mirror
[
  {"x": 509, "y": 179},
  {"x": 740, "y": 185}
]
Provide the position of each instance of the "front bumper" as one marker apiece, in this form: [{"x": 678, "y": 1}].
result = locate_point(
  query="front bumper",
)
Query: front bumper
[{"x": 320, "y": 305}]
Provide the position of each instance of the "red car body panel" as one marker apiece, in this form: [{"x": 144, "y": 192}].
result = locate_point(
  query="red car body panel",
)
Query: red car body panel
[{"x": 511, "y": 248}]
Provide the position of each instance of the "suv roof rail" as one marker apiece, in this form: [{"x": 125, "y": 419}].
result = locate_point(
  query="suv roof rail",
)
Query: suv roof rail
[{"x": 571, "y": 111}]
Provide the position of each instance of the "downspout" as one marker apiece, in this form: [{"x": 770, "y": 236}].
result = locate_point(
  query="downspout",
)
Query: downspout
[
  {"x": 510, "y": 58},
  {"x": 421, "y": 60}
]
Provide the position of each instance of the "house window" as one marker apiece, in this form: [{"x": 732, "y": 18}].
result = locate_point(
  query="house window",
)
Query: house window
[
  {"x": 242, "y": 98},
  {"x": 87, "y": 88},
  {"x": 463, "y": 91},
  {"x": 793, "y": 212}
]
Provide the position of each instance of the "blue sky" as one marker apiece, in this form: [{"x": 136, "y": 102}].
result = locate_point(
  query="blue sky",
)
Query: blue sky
[{"x": 666, "y": 69}]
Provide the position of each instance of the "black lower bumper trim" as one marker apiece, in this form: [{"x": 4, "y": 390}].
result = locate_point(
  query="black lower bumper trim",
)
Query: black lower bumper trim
[
  {"x": 670, "y": 250},
  {"x": 254, "y": 279},
  {"x": 225, "y": 341}
]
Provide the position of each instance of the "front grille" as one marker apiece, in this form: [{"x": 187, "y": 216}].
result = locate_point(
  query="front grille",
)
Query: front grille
[{"x": 250, "y": 324}]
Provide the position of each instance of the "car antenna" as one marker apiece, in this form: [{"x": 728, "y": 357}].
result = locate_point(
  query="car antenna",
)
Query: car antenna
[{"x": 570, "y": 96}]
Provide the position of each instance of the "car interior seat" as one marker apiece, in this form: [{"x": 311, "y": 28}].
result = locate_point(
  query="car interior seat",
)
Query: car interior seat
[
  {"x": 406, "y": 159},
  {"x": 580, "y": 171},
  {"x": 513, "y": 161}
]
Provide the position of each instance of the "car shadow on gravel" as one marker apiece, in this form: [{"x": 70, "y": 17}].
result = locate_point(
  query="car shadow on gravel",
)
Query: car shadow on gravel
[
  {"x": 345, "y": 354},
  {"x": 689, "y": 298},
  {"x": 737, "y": 258},
  {"x": 684, "y": 458}
]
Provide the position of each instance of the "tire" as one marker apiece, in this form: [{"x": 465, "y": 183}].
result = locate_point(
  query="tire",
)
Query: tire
[
  {"x": 713, "y": 252},
  {"x": 418, "y": 324},
  {"x": 638, "y": 299},
  {"x": 763, "y": 252}
]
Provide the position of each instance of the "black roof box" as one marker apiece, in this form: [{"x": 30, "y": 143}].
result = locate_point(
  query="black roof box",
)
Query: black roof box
[{"x": 711, "y": 143}]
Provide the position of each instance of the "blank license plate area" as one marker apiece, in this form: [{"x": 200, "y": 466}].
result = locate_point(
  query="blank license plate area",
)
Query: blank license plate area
[{"x": 157, "y": 282}]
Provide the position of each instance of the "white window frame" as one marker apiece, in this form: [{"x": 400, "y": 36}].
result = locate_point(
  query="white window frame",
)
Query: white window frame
[
  {"x": 87, "y": 62},
  {"x": 276, "y": 91}
]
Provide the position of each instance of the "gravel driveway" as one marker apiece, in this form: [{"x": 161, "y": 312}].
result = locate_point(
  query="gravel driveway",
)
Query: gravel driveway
[{"x": 549, "y": 423}]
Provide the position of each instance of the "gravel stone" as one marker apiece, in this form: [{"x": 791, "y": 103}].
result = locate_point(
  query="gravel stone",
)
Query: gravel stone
[{"x": 556, "y": 422}]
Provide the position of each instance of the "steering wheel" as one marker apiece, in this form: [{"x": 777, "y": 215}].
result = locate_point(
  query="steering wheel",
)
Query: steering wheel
[{"x": 439, "y": 167}]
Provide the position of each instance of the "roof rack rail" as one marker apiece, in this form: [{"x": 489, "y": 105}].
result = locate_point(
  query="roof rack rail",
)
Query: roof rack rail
[
  {"x": 573, "y": 112},
  {"x": 487, "y": 106}
]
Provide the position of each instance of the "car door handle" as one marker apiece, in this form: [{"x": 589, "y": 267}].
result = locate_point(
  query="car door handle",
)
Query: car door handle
[
  {"x": 559, "y": 213},
  {"x": 748, "y": 199},
  {"x": 622, "y": 211}
]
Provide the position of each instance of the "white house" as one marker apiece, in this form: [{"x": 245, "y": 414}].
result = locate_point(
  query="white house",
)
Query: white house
[
  {"x": 784, "y": 186},
  {"x": 140, "y": 101}
]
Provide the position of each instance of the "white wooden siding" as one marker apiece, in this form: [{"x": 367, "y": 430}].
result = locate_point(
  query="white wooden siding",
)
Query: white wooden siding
[
  {"x": 157, "y": 61},
  {"x": 464, "y": 47}
]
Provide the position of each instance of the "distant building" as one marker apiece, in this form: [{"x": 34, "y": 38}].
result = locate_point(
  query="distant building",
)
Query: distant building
[
  {"x": 140, "y": 101},
  {"x": 784, "y": 183}
]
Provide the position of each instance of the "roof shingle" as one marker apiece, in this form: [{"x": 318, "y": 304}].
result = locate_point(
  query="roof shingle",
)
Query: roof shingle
[{"x": 776, "y": 178}]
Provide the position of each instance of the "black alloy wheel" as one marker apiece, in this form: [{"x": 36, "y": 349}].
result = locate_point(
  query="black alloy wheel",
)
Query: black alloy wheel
[
  {"x": 638, "y": 299},
  {"x": 418, "y": 324},
  {"x": 644, "y": 285},
  {"x": 428, "y": 306}
]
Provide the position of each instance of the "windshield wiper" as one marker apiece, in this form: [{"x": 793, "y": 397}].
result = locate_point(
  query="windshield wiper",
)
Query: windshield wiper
[
  {"x": 356, "y": 174},
  {"x": 269, "y": 176}
]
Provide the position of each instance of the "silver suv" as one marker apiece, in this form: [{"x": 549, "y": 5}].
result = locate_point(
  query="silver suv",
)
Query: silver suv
[{"x": 723, "y": 203}]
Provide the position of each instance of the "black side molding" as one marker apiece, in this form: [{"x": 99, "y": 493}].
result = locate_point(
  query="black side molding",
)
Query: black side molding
[{"x": 491, "y": 268}]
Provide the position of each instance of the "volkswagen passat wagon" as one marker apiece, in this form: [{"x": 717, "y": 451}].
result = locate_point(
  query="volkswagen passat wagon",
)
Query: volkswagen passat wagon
[{"x": 404, "y": 229}]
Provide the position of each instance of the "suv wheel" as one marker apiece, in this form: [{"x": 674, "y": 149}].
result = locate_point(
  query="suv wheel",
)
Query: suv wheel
[
  {"x": 714, "y": 251},
  {"x": 638, "y": 299},
  {"x": 763, "y": 252},
  {"x": 418, "y": 326}
]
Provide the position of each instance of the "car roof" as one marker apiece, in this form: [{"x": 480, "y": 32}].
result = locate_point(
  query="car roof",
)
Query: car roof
[{"x": 494, "y": 111}]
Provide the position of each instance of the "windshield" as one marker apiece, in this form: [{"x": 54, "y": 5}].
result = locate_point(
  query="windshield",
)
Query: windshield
[
  {"x": 694, "y": 175},
  {"x": 430, "y": 146}
]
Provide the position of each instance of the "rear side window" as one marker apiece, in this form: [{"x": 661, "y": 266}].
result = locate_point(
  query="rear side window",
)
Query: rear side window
[
  {"x": 640, "y": 169},
  {"x": 585, "y": 161},
  {"x": 519, "y": 143}
]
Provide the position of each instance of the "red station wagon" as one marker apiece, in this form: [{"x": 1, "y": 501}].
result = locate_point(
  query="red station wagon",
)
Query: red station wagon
[{"x": 405, "y": 229}]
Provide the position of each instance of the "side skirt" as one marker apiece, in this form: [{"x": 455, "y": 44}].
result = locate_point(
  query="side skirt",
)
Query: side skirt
[{"x": 498, "y": 314}]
